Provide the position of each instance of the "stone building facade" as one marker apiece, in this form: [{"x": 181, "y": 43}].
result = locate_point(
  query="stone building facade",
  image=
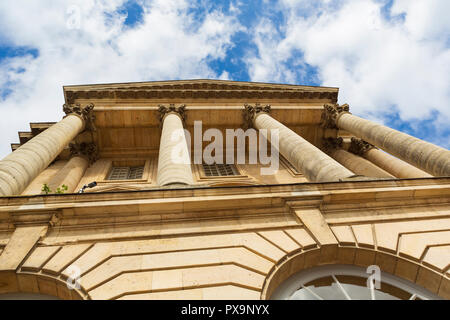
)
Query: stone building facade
[{"x": 350, "y": 195}]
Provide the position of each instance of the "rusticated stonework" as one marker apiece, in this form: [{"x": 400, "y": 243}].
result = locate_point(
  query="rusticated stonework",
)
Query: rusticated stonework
[
  {"x": 359, "y": 146},
  {"x": 163, "y": 110},
  {"x": 86, "y": 113},
  {"x": 250, "y": 112},
  {"x": 87, "y": 149},
  {"x": 331, "y": 113}
]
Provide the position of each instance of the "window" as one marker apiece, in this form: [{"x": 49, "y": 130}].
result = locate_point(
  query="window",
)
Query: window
[
  {"x": 126, "y": 173},
  {"x": 218, "y": 170},
  {"x": 343, "y": 282}
]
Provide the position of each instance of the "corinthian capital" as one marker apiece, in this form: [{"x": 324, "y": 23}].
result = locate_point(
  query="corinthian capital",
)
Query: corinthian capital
[
  {"x": 250, "y": 112},
  {"x": 332, "y": 143},
  {"x": 331, "y": 113},
  {"x": 359, "y": 146},
  {"x": 87, "y": 149},
  {"x": 180, "y": 110},
  {"x": 86, "y": 113}
]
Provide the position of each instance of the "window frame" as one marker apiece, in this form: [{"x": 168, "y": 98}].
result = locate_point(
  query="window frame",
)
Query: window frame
[
  {"x": 146, "y": 175},
  {"x": 201, "y": 176},
  {"x": 129, "y": 172}
]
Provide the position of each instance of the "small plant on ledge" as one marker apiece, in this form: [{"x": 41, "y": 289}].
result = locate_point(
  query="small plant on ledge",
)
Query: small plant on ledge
[
  {"x": 62, "y": 189},
  {"x": 46, "y": 189}
]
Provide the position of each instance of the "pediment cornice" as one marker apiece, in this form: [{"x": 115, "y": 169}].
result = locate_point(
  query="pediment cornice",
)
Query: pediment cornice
[{"x": 197, "y": 89}]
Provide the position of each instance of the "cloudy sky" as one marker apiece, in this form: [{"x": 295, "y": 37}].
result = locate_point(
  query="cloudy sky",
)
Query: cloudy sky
[{"x": 390, "y": 58}]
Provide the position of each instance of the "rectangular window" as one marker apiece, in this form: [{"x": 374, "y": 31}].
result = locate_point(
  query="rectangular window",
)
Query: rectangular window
[
  {"x": 218, "y": 170},
  {"x": 126, "y": 173}
]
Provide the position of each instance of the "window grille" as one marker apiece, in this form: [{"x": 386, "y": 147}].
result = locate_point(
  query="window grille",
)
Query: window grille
[
  {"x": 126, "y": 173},
  {"x": 217, "y": 170}
]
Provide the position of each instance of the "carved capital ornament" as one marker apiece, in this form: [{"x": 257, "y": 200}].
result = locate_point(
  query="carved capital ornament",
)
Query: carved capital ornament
[
  {"x": 249, "y": 113},
  {"x": 331, "y": 114},
  {"x": 332, "y": 143},
  {"x": 86, "y": 113},
  {"x": 359, "y": 146},
  {"x": 86, "y": 149},
  {"x": 164, "y": 110}
]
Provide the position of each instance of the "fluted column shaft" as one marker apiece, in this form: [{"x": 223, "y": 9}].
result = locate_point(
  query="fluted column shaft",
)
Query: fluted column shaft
[
  {"x": 305, "y": 157},
  {"x": 424, "y": 155},
  {"x": 358, "y": 164},
  {"x": 69, "y": 175},
  {"x": 20, "y": 167},
  {"x": 172, "y": 149}
]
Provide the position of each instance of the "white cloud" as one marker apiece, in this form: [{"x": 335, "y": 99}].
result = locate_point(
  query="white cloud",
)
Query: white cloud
[
  {"x": 167, "y": 44},
  {"x": 224, "y": 75},
  {"x": 377, "y": 62}
]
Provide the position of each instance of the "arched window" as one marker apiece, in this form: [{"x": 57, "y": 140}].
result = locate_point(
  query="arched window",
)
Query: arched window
[{"x": 345, "y": 282}]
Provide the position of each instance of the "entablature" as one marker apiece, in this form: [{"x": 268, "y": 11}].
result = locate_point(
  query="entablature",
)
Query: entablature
[{"x": 357, "y": 200}]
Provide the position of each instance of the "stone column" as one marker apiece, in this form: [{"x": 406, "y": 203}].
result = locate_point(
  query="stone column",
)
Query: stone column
[
  {"x": 396, "y": 167},
  {"x": 174, "y": 163},
  {"x": 305, "y": 157},
  {"x": 353, "y": 162},
  {"x": 421, "y": 154},
  {"x": 20, "y": 167},
  {"x": 70, "y": 175}
]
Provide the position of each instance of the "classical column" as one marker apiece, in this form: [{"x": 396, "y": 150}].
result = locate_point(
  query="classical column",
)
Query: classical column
[
  {"x": 174, "y": 163},
  {"x": 20, "y": 167},
  {"x": 305, "y": 157},
  {"x": 421, "y": 154},
  {"x": 82, "y": 155},
  {"x": 396, "y": 167},
  {"x": 353, "y": 162}
]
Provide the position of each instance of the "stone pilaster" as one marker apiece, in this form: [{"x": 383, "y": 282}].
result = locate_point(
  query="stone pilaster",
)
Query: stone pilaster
[
  {"x": 174, "y": 163},
  {"x": 394, "y": 166},
  {"x": 305, "y": 157},
  {"x": 82, "y": 155},
  {"x": 354, "y": 163},
  {"x": 423, "y": 155},
  {"x": 20, "y": 167}
]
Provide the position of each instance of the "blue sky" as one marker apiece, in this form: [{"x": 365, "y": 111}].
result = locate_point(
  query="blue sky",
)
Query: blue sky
[{"x": 390, "y": 58}]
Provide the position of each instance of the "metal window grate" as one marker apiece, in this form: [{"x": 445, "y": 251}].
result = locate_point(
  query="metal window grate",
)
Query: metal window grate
[
  {"x": 126, "y": 173},
  {"x": 136, "y": 173},
  {"x": 217, "y": 170}
]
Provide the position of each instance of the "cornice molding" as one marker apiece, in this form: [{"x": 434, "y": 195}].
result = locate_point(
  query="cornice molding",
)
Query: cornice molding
[
  {"x": 198, "y": 89},
  {"x": 328, "y": 196}
]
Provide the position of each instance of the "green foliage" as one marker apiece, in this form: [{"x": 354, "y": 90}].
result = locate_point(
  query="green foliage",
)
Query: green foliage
[
  {"x": 46, "y": 189},
  {"x": 62, "y": 189},
  {"x": 59, "y": 190}
]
